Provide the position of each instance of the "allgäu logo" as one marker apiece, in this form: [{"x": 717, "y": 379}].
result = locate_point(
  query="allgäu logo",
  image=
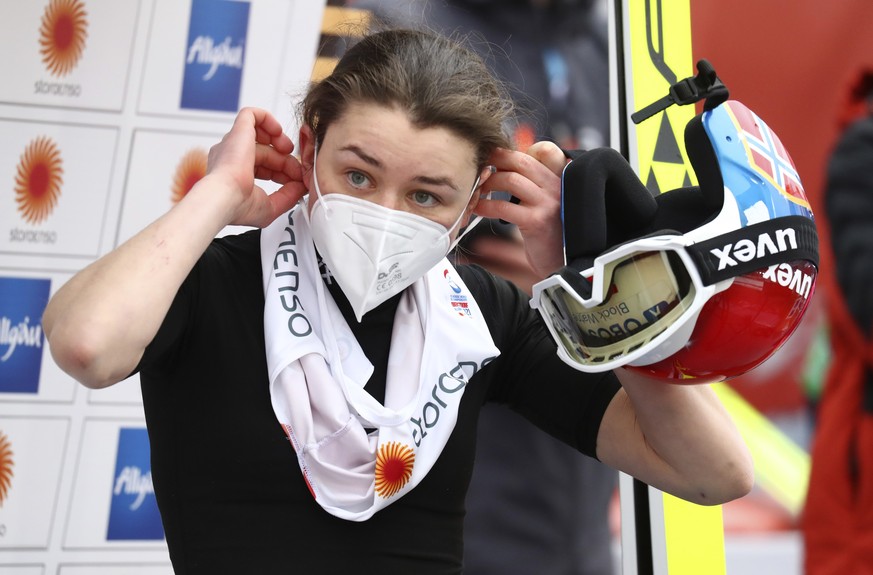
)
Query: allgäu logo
[
  {"x": 133, "y": 513},
  {"x": 22, "y": 303},
  {"x": 215, "y": 55}
]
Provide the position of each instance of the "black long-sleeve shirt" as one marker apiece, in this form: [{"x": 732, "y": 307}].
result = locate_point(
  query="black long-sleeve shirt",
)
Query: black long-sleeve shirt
[{"x": 231, "y": 495}]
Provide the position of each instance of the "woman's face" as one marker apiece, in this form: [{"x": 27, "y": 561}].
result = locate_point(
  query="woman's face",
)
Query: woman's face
[{"x": 374, "y": 153}]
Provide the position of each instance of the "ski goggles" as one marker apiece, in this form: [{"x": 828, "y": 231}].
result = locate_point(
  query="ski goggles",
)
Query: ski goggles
[
  {"x": 643, "y": 294},
  {"x": 646, "y": 295}
]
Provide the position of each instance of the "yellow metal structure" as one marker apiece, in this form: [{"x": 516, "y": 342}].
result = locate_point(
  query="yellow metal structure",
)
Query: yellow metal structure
[{"x": 658, "y": 54}]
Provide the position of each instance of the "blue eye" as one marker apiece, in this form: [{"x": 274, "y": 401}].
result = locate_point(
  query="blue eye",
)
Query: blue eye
[
  {"x": 425, "y": 199},
  {"x": 358, "y": 179}
]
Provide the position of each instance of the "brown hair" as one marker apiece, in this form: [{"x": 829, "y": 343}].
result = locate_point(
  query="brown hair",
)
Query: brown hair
[{"x": 437, "y": 80}]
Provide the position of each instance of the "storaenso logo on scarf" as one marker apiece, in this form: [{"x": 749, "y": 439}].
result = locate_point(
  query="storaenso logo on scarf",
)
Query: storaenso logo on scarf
[{"x": 318, "y": 372}]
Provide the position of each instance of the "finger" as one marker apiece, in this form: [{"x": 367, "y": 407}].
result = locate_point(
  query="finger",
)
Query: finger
[
  {"x": 267, "y": 128},
  {"x": 520, "y": 162},
  {"x": 262, "y": 120},
  {"x": 286, "y": 197},
  {"x": 265, "y": 174},
  {"x": 269, "y": 158},
  {"x": 537, "y": 212},
  {"x": 501, "y": 210},
  {"x": 282, "y": 142},
  {"x": 525, "y": 189},
  {"x": 523, "y": 164},
  {"x": 275, "y": 204},
  {"x": 521, "y": 215},
  {"x": 550, "y": 155}
]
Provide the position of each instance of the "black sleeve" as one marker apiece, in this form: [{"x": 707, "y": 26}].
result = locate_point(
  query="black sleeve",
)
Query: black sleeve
[
  {"x": 221, "y": 256},
  {"x": 849, "y": 206},
  {"x": 529, "y": 376},
  {"x": 166, "y": 344}
]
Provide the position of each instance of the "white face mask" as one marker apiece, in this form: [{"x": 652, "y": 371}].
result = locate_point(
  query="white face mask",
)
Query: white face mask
[{"x": 375, "y": 252}]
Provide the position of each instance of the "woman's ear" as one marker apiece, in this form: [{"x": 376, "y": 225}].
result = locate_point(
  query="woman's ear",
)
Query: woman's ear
[
  {"x": 307, "y": 154},
  {"x": 484, "y": 174}
]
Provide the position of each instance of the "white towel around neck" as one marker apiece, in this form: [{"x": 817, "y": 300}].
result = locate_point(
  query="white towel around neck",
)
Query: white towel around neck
[{"x": 318, "y": 372}]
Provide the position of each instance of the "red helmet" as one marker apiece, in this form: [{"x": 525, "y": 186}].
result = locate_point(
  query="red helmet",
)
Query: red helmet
[{"x": 697, "y": 284}]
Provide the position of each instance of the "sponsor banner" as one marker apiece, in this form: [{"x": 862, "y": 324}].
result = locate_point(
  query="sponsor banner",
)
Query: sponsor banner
[
  {"x": 28, "y": 372},
  {"x": 116, "y": 568},
  {"x": 57, "y": 177},
  {"x": 32, "y": 451},
  {"x": 209, "y": 56},
  {"x": 163, "y": 167},
  {"x": 67, "y": 53},
  {"x": 83, "y": 82},
  {"x": 22, "y": 569},
  {"x": 115, "y": 503},
  {"x": 133, "y": 513},
  {"x": 215, "y": 55},
  {"x": 22, "y": 303}
]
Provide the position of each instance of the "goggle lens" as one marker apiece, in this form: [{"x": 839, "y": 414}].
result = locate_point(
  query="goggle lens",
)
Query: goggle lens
[{"x": 644, "y": 294}]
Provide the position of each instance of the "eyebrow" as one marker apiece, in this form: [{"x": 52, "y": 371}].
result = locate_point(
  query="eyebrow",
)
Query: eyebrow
[{"x": 429, "y": 180}]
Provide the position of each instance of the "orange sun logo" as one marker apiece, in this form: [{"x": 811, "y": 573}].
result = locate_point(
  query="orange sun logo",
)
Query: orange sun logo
[
  {"x": 5, "y": 467},
  {"x": 393, "y": 468},
  {"x": 62, "y": 35},
  {"x": 38, "y": 180},
  {"x": 191, "y": 168}
]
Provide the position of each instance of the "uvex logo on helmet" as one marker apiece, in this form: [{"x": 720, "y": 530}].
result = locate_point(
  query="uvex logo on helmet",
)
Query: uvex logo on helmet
[
  {"x": 793, "y": 279},
  {"x": 746, "y": 250}
]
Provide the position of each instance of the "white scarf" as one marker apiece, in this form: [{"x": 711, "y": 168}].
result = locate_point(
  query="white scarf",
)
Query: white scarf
[{"x": 318, "y": 371}]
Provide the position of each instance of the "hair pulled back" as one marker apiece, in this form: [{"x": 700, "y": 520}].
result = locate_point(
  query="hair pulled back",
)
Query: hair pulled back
[{"x": 436, "y": 80}]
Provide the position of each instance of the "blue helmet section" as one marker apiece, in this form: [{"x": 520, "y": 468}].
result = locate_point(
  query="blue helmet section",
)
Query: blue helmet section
[{"x": 754, "y": 164}]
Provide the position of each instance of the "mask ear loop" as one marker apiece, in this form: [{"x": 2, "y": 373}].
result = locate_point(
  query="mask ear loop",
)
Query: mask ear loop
[
  {"x": 475, "y": 221},
  {"x": 325, "y": 205}
]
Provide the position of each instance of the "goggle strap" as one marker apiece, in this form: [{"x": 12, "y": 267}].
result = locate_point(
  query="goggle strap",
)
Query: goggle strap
[{"x": 755, "y": 247}]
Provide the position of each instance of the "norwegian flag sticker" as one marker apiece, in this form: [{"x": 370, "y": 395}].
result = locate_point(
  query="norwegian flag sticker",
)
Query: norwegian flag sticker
[{"x": 767, "y": 154}]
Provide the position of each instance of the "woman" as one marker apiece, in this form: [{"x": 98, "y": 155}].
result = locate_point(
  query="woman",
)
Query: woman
[{"x": 339, "y": 328}]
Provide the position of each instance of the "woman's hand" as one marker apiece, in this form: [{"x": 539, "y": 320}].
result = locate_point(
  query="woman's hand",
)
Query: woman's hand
[
  {"x": 534, "y": 178},
  {"x": 100, "y": 322},
  {"x": 256, "y": 148}
]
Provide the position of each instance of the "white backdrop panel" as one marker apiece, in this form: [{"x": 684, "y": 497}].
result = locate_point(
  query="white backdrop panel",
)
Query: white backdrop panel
[
  {"x": 38, "y": 448},
  {"x": 110, "y": 31},
  {"x": 74, "y": 226}
]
